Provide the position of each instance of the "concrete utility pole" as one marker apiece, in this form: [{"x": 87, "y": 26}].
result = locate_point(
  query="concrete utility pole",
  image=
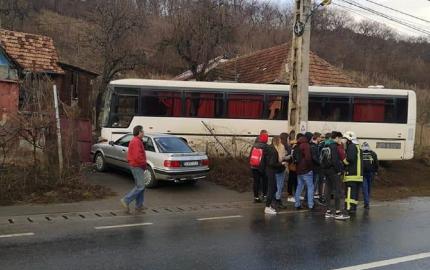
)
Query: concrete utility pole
[
  {"x": 299, "y": 65},
  {"x": 299, "y": 68}
]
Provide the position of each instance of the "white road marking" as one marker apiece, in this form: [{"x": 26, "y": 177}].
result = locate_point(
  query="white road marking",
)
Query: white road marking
[
  {"x": 387, "y": 262},
  {"x": 291, "y": 212},
  {"x": 16, "y": 235},
  {"x": 215, "y": 218},
  {"x": 122, "y": 226}
]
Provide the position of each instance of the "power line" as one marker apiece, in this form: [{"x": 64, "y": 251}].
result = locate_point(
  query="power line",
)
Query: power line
[
  {"x": 365, "y": 13},
  {"x": 411, "y": 26},
  {"x": 399, "y": 11}
]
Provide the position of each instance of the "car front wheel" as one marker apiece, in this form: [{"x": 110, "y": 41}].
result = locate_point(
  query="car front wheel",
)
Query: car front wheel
[
  {"x": 149, "y": 178},
  {"x": 100, "y": 162}
]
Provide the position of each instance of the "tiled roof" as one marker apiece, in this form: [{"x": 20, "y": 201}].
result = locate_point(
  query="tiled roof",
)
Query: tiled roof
[
  {"x": 31, "y": 52},
  {"x": 269, "y": 66}
]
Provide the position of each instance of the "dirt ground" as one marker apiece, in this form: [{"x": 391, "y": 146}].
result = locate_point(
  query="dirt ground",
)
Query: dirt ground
[{"x": 396, "y": 179}]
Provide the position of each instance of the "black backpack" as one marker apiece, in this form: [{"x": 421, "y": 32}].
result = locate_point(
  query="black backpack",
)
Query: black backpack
[
  {"x": 326, "y": 158},
  {"x": 297, "y": 154},
  {"x": 368, "y": 161},
  {"x": 315, "y": 151}
]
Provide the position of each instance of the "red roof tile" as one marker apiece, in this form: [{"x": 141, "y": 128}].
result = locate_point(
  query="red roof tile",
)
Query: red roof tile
[
  {"x": 269, "y": 66},
  {"x": 31, "y": 52}
]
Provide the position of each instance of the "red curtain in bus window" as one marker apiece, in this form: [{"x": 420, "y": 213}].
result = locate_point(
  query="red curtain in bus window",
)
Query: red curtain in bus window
[
  {"x": 206, "y": 105},
  {"x": 243, "y": 106},
  {"x": 369, "y": 110},
  {"x": 172, "y": 102}
]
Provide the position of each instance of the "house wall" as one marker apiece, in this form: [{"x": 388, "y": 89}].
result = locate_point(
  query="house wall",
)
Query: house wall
[
  {"x": 9, "y": 96},
  {"x": 76, "y": 86}
]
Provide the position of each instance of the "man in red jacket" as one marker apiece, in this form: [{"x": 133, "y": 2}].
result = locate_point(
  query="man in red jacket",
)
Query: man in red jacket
[{"x": 137, "y": 161}]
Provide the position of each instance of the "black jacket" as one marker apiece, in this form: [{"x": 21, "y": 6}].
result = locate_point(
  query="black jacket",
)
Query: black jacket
[
  {"x": 335, "y": 159},
  {"x": 374, "y": 167},
  {"x": 354, "y": 169},
  {"x": 272, "y": 160}
]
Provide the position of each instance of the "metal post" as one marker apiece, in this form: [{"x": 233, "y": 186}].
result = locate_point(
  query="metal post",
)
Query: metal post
[
  {"x": 299, "y": 68},
  {"x": 57, "y": 118}
]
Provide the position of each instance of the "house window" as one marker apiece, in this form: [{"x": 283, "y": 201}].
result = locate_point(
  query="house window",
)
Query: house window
[{"x": 6, "y": 72}]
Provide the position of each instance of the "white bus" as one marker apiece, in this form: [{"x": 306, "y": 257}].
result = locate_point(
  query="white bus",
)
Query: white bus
[{"x": 208, "y": 114}]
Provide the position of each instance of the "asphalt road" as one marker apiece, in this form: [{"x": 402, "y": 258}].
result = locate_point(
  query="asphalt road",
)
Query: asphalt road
[{"x": 219, "y": 237}]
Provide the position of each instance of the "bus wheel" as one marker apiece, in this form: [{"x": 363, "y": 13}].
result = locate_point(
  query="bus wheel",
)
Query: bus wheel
[{"x": 149, "y": 178}]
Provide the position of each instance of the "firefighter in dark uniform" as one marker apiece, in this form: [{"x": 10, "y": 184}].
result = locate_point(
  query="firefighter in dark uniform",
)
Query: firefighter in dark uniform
[{"x": 353, "y": 172}]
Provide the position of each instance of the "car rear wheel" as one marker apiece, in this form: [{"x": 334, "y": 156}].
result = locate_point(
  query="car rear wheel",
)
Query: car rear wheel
[
  {"x": 100, "y": 162},
  {"x": 149, "y": 178}
]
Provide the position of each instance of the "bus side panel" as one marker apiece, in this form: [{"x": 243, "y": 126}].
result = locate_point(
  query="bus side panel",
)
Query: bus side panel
[
  {"x": 388, "y": 140},
  {"x": 412, "y": 123}
]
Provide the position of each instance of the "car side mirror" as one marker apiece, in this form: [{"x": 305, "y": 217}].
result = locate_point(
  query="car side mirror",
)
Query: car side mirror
[{"x": 111, "y": 143}]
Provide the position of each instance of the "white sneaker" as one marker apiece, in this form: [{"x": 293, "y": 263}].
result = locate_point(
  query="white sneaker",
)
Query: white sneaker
[
  {"x": 291, "y": 199},
  {"x": 302, "y": 198},
  {"x": 270, "y": 211}
]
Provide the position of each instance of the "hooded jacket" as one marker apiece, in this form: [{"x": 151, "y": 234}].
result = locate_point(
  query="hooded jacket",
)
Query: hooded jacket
[{"x": 305, "y": 164}]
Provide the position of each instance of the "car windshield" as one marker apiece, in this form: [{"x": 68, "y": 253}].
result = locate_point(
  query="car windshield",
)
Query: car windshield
[{"x": 172, "y": 145}]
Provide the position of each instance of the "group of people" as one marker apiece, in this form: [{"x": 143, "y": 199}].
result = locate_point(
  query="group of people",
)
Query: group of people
[{"x": 331, "y": 168}]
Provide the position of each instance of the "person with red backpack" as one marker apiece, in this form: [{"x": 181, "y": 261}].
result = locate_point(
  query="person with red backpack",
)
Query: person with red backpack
[{"x": 258, "y": 166}]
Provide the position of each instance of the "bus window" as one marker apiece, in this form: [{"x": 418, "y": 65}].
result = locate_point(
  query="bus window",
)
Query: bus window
[
  {"x": 369, "y": 110},
  {"x": 276, "y": 107},
  {"x": 381, "y": 110},
  {"x": 161, "y": 103},
  {"x": 329, "y": 109},
  {"x": 124, "y": 106},
  {"x": 401, "y": 110},
  {"x": 204, "y": 105},
  {"x": 245, "y": 106}
]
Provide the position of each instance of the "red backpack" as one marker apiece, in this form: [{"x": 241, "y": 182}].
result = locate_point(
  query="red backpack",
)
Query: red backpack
[{"x": 256, "y": 157}]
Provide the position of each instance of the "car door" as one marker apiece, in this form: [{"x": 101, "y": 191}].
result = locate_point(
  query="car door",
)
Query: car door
[
  {"x": 119, "y": 151},
  {"x": 149, "y": 148}
]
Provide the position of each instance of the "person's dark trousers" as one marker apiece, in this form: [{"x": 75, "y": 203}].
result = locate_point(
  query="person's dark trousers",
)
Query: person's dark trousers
[
  {"x": 317, "y": 176},
  {"x": 333, "y": 185},
  {"x": 264, "y": 183},
  {"x": 271, "y": 187},
  {"x": 257, "y": 176},
  {"x": 367, "y": 184},
  {"x": 292, "y": 183},
  {"x": 352, "y": 189}
]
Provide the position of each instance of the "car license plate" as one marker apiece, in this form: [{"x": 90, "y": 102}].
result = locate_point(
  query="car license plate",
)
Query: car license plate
[{"x": 191, "y": 163}]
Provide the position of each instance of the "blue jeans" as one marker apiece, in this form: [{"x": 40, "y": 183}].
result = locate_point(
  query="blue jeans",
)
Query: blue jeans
[
  {"x": 137, "y": 192},
  {"x": 367, "y": 183},
  {"x": 280, "y": 180},
  {"x": 308, "y": 180}
]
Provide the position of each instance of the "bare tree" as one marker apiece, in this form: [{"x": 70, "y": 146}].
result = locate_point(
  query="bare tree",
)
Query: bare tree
[
  {"x": 423, "y": 115},
  {"x": 114, "y": 37},
  {"x": 13, "y": 12},
  {"x": 201, "y": 31}
]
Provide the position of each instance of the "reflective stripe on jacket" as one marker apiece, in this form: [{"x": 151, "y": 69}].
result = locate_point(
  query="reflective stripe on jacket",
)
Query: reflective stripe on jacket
[{"x": 354, "y": 170}]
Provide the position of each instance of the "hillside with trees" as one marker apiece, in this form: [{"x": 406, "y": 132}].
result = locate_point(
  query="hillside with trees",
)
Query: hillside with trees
[{"x": 162, "y": 38}]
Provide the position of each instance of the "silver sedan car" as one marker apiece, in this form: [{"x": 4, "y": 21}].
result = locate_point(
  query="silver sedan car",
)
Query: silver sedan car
[{"x": 169, "y": 158}]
